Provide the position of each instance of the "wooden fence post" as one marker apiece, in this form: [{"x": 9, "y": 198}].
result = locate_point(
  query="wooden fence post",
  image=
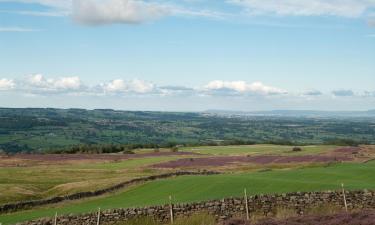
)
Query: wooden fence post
[
  {"x": 171, "y": 208},
  {"x": 55, "y": 221},
  {"x": 246, "y": 205},
  {"x": 98, "y": 220},
  {"x": 343, "y": 193}
]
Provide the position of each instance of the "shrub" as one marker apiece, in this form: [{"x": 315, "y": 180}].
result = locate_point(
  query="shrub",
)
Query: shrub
[{"x": 174, "y": 149}]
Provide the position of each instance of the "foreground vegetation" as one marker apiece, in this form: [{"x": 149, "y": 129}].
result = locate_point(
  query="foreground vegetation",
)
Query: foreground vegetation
[
  {"x": 325, "y": 214},
  {"x": 28, "y": 180},
  {"x": 196, "y": 188},
  {"x": 40, "y": 130},
  {"x": 198, "y": 219}
]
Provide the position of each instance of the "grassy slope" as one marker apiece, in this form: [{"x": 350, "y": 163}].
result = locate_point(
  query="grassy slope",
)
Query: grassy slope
[
  {"x": 24, "y": 183},
  {"x": 198, "y": 188}
]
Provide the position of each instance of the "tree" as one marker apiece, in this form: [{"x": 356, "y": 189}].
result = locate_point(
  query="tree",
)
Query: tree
[{"x": 174, "y": 149}]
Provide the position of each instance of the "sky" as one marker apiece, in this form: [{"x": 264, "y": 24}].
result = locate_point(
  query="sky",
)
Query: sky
[{"x": 188, "y": 55}]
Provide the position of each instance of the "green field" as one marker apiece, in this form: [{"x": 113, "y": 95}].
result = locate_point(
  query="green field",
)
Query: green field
[
  {"x": 42, "y": 181},
  {"x": 198, "y": 188}
]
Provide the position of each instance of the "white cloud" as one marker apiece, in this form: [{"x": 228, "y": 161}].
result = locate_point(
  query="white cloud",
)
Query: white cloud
[
  {"x": 6, "y": 84},
  {"x": 39, "y": 85},
  {"x": 70, "y": 83},
  {"x": 38, "y": 82},
  {"x": 243, "y": 87},
  {"x": 100, "y": 12},
  {"x": 117, "y": 11},
  {"x": 133, "y": 86},
  {"x": 344, "y": 8},
  {"x": 97, "y": 12}
]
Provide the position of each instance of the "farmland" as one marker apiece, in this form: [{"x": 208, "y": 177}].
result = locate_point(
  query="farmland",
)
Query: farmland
[
  {"x": 41, "y": 130},
  {"x": 107, "y": 147},
  {"x": 25, "y": 177},
  {"x": 197, "y": 188}
]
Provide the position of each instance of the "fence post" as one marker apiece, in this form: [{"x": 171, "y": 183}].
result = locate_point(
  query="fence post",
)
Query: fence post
[
  {"x": 246, "y": 205},
  {"x": 171, "y": 208},
  {"x": 55, "y": 221},
  {"x": 343, "y": 193},
  {"x": 98, "y": 220}
]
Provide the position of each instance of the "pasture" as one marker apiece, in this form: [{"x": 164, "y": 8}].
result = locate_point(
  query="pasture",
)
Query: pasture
[
  {"x": 199, "y": 188},
  {"x": 261, "y": 169},
  {"x": 42, "y": 181}
]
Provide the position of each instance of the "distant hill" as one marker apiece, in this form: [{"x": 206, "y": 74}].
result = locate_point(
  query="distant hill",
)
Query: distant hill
[
  {"x": 297, "y": 113},
  {"x": 34, "y": 129}
]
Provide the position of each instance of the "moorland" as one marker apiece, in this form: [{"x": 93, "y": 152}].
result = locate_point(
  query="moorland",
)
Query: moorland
[{"x": 52, "y": 152}]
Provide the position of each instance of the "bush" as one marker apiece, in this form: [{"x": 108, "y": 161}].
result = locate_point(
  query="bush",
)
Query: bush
[
  {"x": 297, "y": 149},
  {"x": 174, "y": 149}
]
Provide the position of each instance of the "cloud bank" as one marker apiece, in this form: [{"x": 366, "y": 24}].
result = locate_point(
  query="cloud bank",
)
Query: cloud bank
[
  {"x": 242, "y": 87},
  {"x": 37, "y": 84},
  {"x": 101, "y": 12},
  {"x": 132, "y": 86},
  {"x": 6, "y": 84}
]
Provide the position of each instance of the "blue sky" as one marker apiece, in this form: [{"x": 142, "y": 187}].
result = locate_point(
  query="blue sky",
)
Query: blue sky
[{"x": 188, "y": 55}]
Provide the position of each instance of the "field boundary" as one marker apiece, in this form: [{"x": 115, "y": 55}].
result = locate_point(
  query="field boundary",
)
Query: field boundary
[
  {"x": 224, "y": 209},
  {"x": 13, "y": 207}
]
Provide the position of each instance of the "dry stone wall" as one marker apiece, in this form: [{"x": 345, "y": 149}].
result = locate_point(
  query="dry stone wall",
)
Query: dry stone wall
[
  {"x": 12, "y": 207},
  {"x": 226, "y": 208}
]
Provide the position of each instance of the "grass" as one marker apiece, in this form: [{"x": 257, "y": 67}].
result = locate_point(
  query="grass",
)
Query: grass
[
  {"x": 197, "y": 219},
  {"x": 259, "y": 149},
  {"x": 139, "y": 221},
  {"x": 200, "y": 188},
  {"x": 35, "y": 182},
  {"x": 129, "y": 164}
]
